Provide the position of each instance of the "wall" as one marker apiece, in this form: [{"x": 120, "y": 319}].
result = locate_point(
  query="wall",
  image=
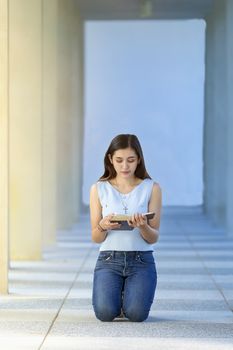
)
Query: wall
[{"x": 148, "y": 78}]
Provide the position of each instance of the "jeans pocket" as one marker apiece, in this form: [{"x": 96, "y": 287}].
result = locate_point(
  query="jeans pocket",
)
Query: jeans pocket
[
  {"x": 146, "y": 258},
  {"x": 105, "y": 256}
]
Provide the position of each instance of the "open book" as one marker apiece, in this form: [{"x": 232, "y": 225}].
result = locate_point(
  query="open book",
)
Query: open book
[{"x": 122, "y": 219}]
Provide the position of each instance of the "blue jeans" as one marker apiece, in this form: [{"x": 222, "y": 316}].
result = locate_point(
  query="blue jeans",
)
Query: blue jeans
[{"x": 124, "y": 280}]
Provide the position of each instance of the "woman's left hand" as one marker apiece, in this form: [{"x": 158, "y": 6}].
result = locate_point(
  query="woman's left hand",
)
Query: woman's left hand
[{"x": 137, "y": 220}]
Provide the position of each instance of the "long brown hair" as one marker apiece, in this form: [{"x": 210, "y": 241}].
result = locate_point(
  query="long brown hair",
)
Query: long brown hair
[{"x": 123, "y": 141}]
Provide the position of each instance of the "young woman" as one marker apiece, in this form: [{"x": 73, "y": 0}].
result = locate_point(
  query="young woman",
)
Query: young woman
[{"x": 125, "y": 273}]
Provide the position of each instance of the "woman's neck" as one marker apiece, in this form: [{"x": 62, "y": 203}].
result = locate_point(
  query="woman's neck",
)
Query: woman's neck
[{"x": 125, "y": 183}]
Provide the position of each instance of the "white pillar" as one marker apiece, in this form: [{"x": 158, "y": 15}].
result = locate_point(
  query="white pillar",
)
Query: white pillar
[
  {"x": 215, "y": 129},
  {"x": 64, "y": 130},
  {"x": 25, "y": 94},
  {"x": 4, "y": 150},
  {"x": 49, "y": 124},
  {"x": 70, "y": 113},
  {"x": 229, "y": 55},
  {"x": 77, "y": 112}
]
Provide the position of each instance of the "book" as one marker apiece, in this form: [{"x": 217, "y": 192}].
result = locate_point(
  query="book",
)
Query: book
[
  {"x": 123, "y": 220},
  {"x": 123, "y": 217}
]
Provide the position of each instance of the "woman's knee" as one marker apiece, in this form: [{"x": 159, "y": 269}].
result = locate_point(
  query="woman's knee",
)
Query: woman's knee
[
  {"x": 135, "y": 315},
  {"x": 106, "y": 314}
]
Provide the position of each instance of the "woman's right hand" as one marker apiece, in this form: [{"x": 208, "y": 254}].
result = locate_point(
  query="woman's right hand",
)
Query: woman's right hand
[{"x": 107, "y": 225}]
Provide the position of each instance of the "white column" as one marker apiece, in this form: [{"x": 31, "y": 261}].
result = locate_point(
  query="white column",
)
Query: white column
[
  {"x": 64, "y": 121},
  {"x": 49, "y": 124},
  {"x": 25, "y": 94},
  {"x": 215, "y": 129},
  {"x": 4, "y": 150},
  {"x": 229, "y": 55},
  {"x": 77, "y": 113},
  {"x": 70, "y": 113}
]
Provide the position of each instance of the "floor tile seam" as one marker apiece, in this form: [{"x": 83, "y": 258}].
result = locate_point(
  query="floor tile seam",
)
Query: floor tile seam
[
  {"x": 65, "y": 297},
  {"x": 195, "y": 249}
]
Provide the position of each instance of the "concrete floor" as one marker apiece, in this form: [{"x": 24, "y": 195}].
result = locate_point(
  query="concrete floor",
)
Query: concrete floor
[{"x": 49, "y": 305}]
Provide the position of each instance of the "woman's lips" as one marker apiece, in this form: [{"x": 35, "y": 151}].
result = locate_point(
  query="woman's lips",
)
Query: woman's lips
[{"x": 125, "y": 172}]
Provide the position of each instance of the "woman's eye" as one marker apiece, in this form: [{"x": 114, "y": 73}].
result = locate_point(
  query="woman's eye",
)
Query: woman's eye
[{"x": 129, "y": 161}]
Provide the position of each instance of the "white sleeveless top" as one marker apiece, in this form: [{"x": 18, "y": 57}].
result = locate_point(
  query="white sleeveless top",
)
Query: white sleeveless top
[{"x": 137, "y": 202}]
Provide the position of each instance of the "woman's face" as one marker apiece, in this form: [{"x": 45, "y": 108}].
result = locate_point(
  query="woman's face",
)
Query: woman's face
[{"x": 125, "y": 162}]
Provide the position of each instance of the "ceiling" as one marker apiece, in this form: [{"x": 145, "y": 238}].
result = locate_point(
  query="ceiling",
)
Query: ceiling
[{"x": 143, "y": 9}]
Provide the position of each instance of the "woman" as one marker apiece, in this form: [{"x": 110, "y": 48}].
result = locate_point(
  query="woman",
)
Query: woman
[{"x": 125, "y": 274}]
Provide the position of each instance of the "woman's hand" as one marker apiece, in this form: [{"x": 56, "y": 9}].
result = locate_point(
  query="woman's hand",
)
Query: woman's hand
[
  {"x": 105, "y": 223},
  {"x": 138, "y": 220}
]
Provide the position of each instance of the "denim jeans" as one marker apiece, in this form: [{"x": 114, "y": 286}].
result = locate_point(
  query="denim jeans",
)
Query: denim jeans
[{"x": 124, "y": 280}]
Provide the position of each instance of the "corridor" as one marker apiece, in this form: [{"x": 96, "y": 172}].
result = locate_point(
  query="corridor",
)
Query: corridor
[{"x": 49, "y": 305}]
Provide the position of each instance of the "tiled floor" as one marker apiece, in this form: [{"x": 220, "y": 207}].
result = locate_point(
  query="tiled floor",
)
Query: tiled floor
[{"x": 49, "y": 306}]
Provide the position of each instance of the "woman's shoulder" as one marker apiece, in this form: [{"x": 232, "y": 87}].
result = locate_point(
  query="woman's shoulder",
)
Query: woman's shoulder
[
  {"x": 98, "y": 184},
  {"x": 151, "y": 181},
  {"x": 93, "y": 188},
  {"x": 156, "y": 188},
  {"x": 154, "y": 184}
]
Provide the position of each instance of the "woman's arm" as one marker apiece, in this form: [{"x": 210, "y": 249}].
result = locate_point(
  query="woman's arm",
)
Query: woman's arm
[
  {"x": 150, "y": 231},
  {"x": 99, "y": 225}
]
